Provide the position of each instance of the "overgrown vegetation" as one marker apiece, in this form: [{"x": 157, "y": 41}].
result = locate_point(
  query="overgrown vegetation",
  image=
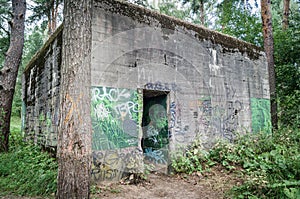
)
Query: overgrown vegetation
[
  {"x": 25, "y": 169},
  {"x": 270, "y": 163}
]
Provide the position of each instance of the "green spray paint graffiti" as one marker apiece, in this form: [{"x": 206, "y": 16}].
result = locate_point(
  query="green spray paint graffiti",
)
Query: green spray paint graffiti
[
  {"x": 114, "y": 114},
  {"x": 261, "y": 117}
]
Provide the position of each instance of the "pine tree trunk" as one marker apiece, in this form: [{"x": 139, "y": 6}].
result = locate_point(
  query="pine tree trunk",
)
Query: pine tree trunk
[
  {"x": 9, "y": 72},
  {"x": 52, "y": 5},
  {"x": 266, "y": 16},
  {"x": 286, "y": 13},
  {"x": 202, "y": 14},
  {"x": 75, "y": 134}
]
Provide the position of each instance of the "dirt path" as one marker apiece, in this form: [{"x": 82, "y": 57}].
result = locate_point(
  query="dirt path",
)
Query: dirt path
[{"x": 211, "y": 185}]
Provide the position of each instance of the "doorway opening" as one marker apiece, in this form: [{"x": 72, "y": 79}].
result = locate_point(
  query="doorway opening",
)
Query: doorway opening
[{"x": 155, "y": 138}]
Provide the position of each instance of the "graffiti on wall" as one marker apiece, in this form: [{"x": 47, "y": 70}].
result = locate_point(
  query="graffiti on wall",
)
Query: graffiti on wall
[
  {"x": 205, "y": 109},
  {"x": 173, "y": 114},
  {"x": 115, "y": 164},
  {"x": 261, "y": 116},
  {"x": 114, "y": 118},
  {"x": 178, "y": 129},
  {"x": 220, "y": 119},
  {"x": 220, "y": 114},
  {"x": 162, "y": 86}
]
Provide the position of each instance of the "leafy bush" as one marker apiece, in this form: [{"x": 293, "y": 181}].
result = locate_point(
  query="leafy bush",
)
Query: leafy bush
[
  {"x": 287, "y": 62},
  {"x": 194, "y": 159},
  {"x": 271, "y": 163}
]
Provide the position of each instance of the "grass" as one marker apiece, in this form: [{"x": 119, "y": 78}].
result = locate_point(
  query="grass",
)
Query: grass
[
  {"x": 25, "y": 170},
  {"x": 15, "y": 124}
]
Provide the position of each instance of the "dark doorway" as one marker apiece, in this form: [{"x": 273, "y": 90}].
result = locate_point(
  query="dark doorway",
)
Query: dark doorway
[{"x": 155, "y": 126}]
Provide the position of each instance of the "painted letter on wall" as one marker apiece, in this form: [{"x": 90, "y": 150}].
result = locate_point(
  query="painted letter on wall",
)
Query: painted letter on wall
[{"x": 114, "y": 118}]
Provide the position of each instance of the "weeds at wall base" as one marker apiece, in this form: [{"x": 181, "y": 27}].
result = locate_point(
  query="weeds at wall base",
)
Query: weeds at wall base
[{"x": 270, "y": 164}]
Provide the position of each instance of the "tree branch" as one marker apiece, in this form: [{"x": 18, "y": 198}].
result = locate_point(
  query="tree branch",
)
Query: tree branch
[{"x": 7, "y": 32}]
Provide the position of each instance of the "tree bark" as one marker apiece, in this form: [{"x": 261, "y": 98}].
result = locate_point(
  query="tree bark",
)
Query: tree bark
[
  {"x": 286, "y": 13},
  {"x": 202, "y": 14},
  {"x": 266, "y": 16},
  {"x": 9, "y": 72},
  {"x": 52, "y": 20},
  {"x": 75, "y": 132},
  {"x": 52, "y": 14}
]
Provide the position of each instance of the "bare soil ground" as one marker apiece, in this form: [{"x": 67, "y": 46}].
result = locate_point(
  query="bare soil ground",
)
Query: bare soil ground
[{"x": 210, "y": 185}]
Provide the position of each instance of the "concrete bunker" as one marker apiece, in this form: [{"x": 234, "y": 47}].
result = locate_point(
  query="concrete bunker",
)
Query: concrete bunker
[{"x": 157, "y": 84}]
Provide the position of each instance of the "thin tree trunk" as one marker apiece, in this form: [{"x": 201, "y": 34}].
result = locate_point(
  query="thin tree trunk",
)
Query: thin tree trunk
[
  {"x": 75, "y": 132},
  {"x": 55, "y": 13},
  {"x": 52, "y": 6},
  {"x": 53, "y": 16},
  {"x": 202, "y": 14},
  {"x": 9, "y": 72},
  {"x": 266, "y": 16},
  {"x": 52, "y": 20},
  {"x": 49, "y": 24},
  {"x": 286, "y": 13}
]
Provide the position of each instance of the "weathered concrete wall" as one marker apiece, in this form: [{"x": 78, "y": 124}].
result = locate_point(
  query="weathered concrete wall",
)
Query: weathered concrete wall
[
  {"x": 157, "y": 84},
  {"x": 217, "y": 86},
  {"x": 41, "y": 80}
]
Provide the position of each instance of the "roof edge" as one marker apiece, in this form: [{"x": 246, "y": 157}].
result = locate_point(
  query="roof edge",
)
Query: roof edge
[
  {"x": 44, "y": 47},
  {"x": 201, "y": 33}
]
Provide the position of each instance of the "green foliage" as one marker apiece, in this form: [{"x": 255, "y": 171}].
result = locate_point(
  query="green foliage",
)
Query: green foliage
[
  {"x": 15, "y": 129},
  {"x": 25, "y": 170},
  {"x": 239, "y": 20},
  {"x": 271, "y": 163},
  {"x": 33, "y": 42},
  {"x": 192, "y": 160},
  {"x": 4, "y": 28},
  {"x": 45, "y": 10},
  {"x": 287, "y": 61},
  {"x": 204, "y": 9},
  {"x": 170, "y": 8}
]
